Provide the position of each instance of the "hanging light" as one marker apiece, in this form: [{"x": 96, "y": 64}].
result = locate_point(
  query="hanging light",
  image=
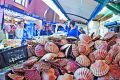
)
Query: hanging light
[{"x": 52, "y": 5}]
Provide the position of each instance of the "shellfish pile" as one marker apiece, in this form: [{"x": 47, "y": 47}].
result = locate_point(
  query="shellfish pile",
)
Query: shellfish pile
[{"x": 86, "y": 58}]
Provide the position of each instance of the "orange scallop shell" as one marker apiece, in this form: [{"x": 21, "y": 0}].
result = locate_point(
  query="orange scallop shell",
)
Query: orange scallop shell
[
  {"x": 51, "y": 47},
  {"x": 99, "y": 68}
]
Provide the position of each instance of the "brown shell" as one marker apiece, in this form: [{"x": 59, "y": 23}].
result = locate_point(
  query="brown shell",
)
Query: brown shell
[
  {"x": 75, "y": 50},
  {"x": 30, "y": 61},
  {"x": 85, "y": 38},
  {"x": 51, "y": 47},
  {"x": 84, "y": 49}
]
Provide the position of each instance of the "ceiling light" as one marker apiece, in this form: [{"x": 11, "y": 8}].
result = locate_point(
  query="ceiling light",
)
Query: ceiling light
[{"x": 52, "y": 5}]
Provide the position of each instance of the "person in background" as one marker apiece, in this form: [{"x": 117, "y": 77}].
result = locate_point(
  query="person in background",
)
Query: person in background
[
  {"x": 36, "y": 30},
  {"x": 81, "y": 31},
  {"x": 46, "y": 31},
  {"x": 19, "y": 30},
  {"x": 6, "y": 31},
  {"x": 25, "y": 35},
  {"x": 11, "y": 34},
  {"x": 73, "y": 31}
]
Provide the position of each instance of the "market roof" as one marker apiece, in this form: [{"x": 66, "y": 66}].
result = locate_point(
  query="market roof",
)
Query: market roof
[{"x": 79, "y": 10}]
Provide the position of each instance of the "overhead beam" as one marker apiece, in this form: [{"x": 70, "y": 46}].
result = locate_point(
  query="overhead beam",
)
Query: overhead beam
[
  {"x": 77, "y": 16},
  {"x": 61, "y": 8}
]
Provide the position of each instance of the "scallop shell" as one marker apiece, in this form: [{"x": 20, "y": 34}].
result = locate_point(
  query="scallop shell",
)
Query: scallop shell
[
  {"x": 84, "y": 49},
  {"x": 117, "y": 58},
  {"x": 108, "y": 59},
  {"x": 49, "y": 56},
  {"x": 92, "y": 57},
  {"x": 75, "y": 50},
  {"x": 83, "y": 60},
  {"x": 103, "y": 46},
  {"x": 98, "y": 43},
  {"x": 50, "y": 75},
  {"x": 51, "y": 47},
  {"x": 64, "y": 41},
  {"x": 42, "y": 41},
  {"x": 114, "y": 50},
  {"x": 106, "y": 77},
  {"x": 72, "y": 66},
  {"x": 83, "y": 74},
  {"x": 99, "y": 68},
  {"x": 65, "y": 77},
  {"x": 30, "y": 61},
  {"x": 42, "y": 66},
  {"x": 108, "y": 35},
  {"x": 15, "y": 77},
  {"x": 115, "y": 71},
  {"x": 39, "y": 50},
  {"x": 85, "y": 38},
  {"x": 100, "y": 54},
  {"x": 61, "y": 54}
]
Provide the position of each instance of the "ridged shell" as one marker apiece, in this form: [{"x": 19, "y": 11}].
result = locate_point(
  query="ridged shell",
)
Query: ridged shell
[
  {"x": 72, "y": 66},
  {"x": 106, "y": 77},
  {"x": 83, "y": 60},
  {"x": 32, "y": 75},
  {"x": 117, "y": 58},
  {"x": 83, "y": 48},
  {"x": 99, "y": 68},
  {"x": 51, "y": 47},
  {"x": 92, "y": 57},
  {"x": 98, "y": 43},
  {"x": 75, "y": 50},
  {"x": 114, "y": 50},
  {"x": 115, "y": 71},
  {"x": 100, "y": 54},
  {"x": 42, "y": 41},
  {"x": 85, "y": 38},
  {"x": 39, "y": 50},
  {"x": 42, "y": 66},
  {"x": 108, "y": 35},
  {"x": 65, "y": 77},
  {"x": 30, "y": 61},
  {"x": 108, "y": 59},
  {"x": 49, "y": 56},
  {"x": 64, "y": 41},
  {"x": 83, "y": 74}
]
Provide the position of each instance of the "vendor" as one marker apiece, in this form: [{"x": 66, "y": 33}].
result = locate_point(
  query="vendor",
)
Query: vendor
[
  {"x": 73, "y": 31},
  {"x": 19, "y": 30},
  {"x": 46, "y": 31},
  {"x": 81, "y": 31}
]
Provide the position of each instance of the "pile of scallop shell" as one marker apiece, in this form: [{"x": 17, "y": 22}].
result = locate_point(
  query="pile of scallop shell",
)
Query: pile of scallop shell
[{"x": 68, "y": 58}]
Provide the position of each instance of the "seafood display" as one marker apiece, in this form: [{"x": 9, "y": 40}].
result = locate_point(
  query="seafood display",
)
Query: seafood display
[{"x": 86, "y": 58}]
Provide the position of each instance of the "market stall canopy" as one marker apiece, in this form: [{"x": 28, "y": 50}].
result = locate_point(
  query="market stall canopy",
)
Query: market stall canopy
[{"x": 79, "y": 10}]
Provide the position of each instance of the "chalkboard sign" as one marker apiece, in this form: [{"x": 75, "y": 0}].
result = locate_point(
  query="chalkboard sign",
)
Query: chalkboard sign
[{"x": 15, "y": 55}]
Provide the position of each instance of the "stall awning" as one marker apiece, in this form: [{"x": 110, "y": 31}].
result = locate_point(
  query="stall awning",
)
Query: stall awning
[{"x": 79, "y": 10}]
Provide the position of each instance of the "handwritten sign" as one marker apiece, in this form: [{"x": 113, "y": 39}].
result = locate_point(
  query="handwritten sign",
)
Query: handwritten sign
[{"x": 15, "y": 55}]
